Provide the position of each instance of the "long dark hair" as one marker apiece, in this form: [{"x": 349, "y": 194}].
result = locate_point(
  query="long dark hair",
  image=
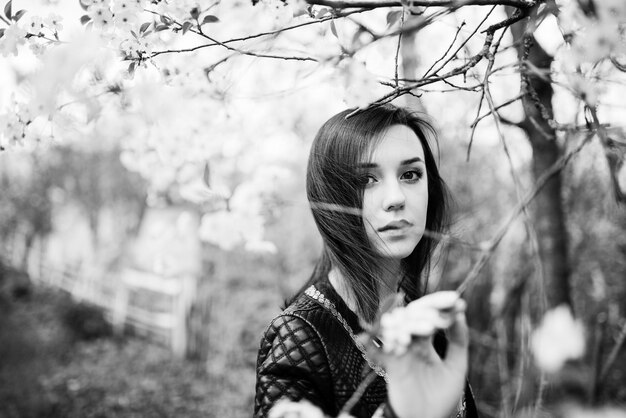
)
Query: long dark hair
[{"x": 335, "y": 193}]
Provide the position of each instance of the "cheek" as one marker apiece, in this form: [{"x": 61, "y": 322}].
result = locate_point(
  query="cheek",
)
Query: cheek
[
  {"x": 368, "y": 210},
  {"x": 419, "y": 202}
]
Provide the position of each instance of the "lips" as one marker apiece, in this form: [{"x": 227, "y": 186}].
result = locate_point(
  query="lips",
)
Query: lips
[{"x": 395, "y": 225}]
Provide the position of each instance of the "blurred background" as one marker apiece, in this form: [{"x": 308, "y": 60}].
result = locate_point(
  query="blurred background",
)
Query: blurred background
[{"x": 153, "y": 217}]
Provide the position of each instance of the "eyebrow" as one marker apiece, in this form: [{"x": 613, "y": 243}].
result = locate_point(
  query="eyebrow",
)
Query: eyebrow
[{"x": 402, "y": 163}]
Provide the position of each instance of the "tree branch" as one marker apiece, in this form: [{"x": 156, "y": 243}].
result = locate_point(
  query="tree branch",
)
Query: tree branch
[
  {"x": 460, "y": 46},
  {"x": 399, "y": 91},
  {"x": 397, "y": 58},
  {"x": 445, "y": 54},
  {"x": 374, "y": 4},
  {"x": 257, "y": 35}
]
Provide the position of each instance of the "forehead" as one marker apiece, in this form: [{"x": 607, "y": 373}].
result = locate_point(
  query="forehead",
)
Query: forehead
[{"x": 398, "y": 142}]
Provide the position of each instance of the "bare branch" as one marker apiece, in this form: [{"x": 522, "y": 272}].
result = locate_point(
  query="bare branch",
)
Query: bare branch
[
  {"x": 456, "y": 35},
  {"x": 541, "y": 182},
  {"x": 475, "y": 124},
  {"x": 432, "y": 79},
  {"x": 257, "y": 35},
  {"x": 260, "y": 55},
  {"x": 230, "y": 48},
  {"x": 505, "y": 104},
  {"x": 613, "y": 354},
  {"x": 399, "y": 91},
  {"x": 462, "y": 45},
  {"x": 398, "y": 49},
  {"x": 374, "y": 4}
]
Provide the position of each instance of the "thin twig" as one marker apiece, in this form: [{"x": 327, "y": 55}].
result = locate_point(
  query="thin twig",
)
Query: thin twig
[
  {"x": 358, "y": 393},
  {"x": 486, "y": 93},
  {"x": 614, "y": 352},
  {"x": 224, "y": 44},
  {"x": 398, "y": 48},
  {"x": 462, "y": 44},
  {"x": 475, "y": 124},
  {"x": 445, "y": 54},
  {"x": 344, "y": 4},
  {"x": 397, "y": 92},
  {"x": 259, "y": 55},
  {"x": 261, "y": 34},
  {"x": 541, "y": 182},
  {"x": 505, "y": 104},
  {"x": 516, "y": 181}
]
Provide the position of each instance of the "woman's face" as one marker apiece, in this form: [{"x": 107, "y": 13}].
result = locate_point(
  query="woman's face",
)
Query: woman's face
[{"x": 395, "y": 197}]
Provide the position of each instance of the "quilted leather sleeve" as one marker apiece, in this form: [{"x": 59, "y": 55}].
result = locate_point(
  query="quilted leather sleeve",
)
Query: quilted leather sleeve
[{"x": 292, "y": 364}]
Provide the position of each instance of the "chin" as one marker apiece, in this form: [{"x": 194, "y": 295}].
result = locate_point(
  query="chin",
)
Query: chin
[{"x": 397, "y": 251}]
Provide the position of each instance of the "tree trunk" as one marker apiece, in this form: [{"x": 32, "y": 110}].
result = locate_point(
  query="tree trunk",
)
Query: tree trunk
[
  {"x": 548, "y": 214},
  {"x": 410, "y": 62}
]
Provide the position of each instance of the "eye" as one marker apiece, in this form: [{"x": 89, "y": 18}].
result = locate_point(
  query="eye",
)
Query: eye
[
  {"x": 412, "y": 176},
  {"x": 367, "y": 179}
]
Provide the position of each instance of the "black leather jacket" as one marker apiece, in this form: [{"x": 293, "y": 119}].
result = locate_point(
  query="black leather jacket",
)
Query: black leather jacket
[{"x": 309, "y": 352}]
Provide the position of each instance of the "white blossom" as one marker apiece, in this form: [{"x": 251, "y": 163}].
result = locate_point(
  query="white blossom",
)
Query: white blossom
[
  {"x": 282, "y": 12},
  {"x": 596, "y": 42},
  {"x": 33, "y": 24},
  {"x": 127, "y": 6},
  {"x": 231, "y": 229},
  {"x": 559, "y": 338},
  {"x": 571, "y": 18},
  {"x": 53, "y": 22},
  {"x": 612, "y": 10},
  {"x": 37, "y": 47},
  {"x": 289, "y": 409},
  {"x": 360, "y": 85},
  {"x": 126, "y": 19},
  {"x": 13, "y": 37},
  {"x": 136, "y": 48},
  {"x": 298, "y": 6},
  {"x": 101, "y": 15},
  {"x": 585, "y": 89},
  {"x": 419, "y": 318},
  {"x": 11, "y": 129},
  {"x": 394, "y": 332}
]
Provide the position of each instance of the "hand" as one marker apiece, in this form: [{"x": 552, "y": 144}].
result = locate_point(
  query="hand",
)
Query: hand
[{"x": 420, "y": 383}]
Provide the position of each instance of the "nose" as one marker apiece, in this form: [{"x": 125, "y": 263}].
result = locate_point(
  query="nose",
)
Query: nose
[{"x": 394, "y": 198}]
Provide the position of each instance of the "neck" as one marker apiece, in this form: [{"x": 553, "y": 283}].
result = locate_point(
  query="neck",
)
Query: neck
[{"x": 390, "y": 272}]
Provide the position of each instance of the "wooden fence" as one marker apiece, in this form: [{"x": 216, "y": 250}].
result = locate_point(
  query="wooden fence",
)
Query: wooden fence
[{"x": 127, "y": 296}]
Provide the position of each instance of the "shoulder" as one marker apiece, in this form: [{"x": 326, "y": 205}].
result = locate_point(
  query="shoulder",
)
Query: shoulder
[
  {"x": 295, "y": 333},
  {"x": 292, "y": 362}
]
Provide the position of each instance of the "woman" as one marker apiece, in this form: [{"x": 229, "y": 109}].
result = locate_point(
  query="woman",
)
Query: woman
[{"x": 374, "y": 190}]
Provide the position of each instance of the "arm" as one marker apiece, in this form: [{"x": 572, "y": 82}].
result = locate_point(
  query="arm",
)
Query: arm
[{"x": 292, "y": 364}]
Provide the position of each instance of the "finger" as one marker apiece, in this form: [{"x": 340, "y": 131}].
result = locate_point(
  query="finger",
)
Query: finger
[
  {"x": 458, "y": 340},
  {"x": 436, "y": 318},
  {"x": 444, "y": 300},
  {"x": 419, "y": 353},
  {"x": 421, "y": 348}
]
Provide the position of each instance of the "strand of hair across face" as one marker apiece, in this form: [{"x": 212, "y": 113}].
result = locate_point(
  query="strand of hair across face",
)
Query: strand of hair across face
[{"x": 437, "y": 236}]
